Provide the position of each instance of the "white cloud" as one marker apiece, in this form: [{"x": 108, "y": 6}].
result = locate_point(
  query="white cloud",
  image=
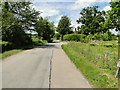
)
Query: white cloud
[
  {"x": 59, "y": 17},
  {"x": 106, "y": 8},
  {"x": 45, "y": 11},
  {"x": 79, "y": 4},
  {"x": 103, "y": 1},
  {"x": 34, "y": 1},
  {"x": 75, "y": 25},
  {"x": 49, "y": 12}
]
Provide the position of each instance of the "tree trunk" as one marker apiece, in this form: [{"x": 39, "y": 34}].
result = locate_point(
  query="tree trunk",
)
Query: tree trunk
[{"x": 62, "y": 38}]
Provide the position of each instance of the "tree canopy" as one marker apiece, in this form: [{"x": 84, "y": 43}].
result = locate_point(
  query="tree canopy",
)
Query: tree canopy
[
  {"x": 91, "y": 20},
  {"x": 64, "y": 26},
  {"x": 113, "y": 16},
  {"x": 45, "y": 29},
  {"x": 19, "y": 18},
  {"x": 94, "y": 21}
]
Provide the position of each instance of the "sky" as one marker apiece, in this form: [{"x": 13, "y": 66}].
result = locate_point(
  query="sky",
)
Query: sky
[{"x": 54, "y": 9}]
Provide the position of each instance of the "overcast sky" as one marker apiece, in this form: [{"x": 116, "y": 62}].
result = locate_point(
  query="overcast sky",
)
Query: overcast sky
[{"x": 57, "y": 8}]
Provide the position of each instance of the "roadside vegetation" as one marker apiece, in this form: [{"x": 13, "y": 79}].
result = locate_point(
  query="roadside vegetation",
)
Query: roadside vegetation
[
  {"x": 95, "y": 25},
  {"x": 92, "y": 60},
  {"x": 93, "y": 48},
  {"x": 23, "y": 28},
  {"x": 8, "y": 51}
]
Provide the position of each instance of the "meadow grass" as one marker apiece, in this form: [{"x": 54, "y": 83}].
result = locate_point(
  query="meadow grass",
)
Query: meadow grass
[{"x": 92, "y": 61}]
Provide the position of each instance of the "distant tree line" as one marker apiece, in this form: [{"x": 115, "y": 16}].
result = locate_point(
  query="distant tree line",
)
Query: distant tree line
[{"x": 94, "y": 22}]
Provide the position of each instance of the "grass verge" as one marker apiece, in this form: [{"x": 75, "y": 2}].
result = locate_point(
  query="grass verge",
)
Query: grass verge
[
  {"x": 36, "y": 42},
  {"x": 91, "y": 61},
  {"x": 9, "y": 53}
]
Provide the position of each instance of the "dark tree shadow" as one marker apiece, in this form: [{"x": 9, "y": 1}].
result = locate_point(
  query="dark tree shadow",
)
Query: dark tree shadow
[{"x": 47, "y": 46}]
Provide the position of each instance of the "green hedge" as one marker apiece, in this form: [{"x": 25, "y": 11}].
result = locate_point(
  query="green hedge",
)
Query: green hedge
[
  {"x": 74, "y": 37},
  {"x": 6, "y": 46},
  {"x": 84, "y": 38}
]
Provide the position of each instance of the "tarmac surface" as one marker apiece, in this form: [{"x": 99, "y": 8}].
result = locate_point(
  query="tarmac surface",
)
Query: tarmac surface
[{"x": 46, "y": 66}]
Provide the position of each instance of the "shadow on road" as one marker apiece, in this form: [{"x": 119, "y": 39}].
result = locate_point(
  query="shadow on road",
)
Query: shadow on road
[
  {"x": 47, "y": 46},
  {"x": 50, "y": 45}
]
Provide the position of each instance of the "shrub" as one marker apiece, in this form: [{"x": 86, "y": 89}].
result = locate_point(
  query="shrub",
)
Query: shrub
[
  {"x": 107, "y": 36},
  {"x": 114, "y": 37},
  {"x": 89, "y": 37},
  {"x": 57, "y": 36},
  {"x": 38, "y": 42},
  {"x": 7, "y": 46},
  {"x": 74, "y": 37},
  {"x": 97, "y": 36},
  {"x": 86, "y": 40}
]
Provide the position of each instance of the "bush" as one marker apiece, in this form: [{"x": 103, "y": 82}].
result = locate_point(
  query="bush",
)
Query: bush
[
  {"x": 97, "y": 36},
  {"x": 86, "y": 40},
  {"x": 18, "y": 38},
  {"x": 89, "y": 37},
  {"x": 57, "y": 36},
  {"x": 107, "y": 36},
  {"x": 93, "y": 37},
  {"x": 38, "y": 42},
  {"x": 7, "y": 46},
  {"x": 114, "y": 37},
  {"x": 74, "y": 37}
]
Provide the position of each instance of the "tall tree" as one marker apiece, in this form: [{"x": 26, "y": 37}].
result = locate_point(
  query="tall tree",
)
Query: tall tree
[
  {"x": 113, "y": 16},
  {"x": 114, "y": 20},
  {"x": 91, "y": 19},
  {"x": 40, "y": 27},
  {"x": 45, "y": 29},
  {"x": 64, "y": 26},
  {"x": 25, "y": 14},
  {"x": 17, "y": 17}
]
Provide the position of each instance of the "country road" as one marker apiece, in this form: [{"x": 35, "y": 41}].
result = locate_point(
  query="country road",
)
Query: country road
[{"x": 42, "y": 67}]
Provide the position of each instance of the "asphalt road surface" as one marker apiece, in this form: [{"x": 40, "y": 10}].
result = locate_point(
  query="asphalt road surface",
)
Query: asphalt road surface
[{"x": 42, "y": 67}]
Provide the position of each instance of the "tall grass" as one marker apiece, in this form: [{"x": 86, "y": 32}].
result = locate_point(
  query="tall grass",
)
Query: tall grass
[{"x": 93, "y": 63}]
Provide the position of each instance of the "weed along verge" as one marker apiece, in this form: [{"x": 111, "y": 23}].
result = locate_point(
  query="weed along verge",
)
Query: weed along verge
[
  {"x": 12, "y": 51},
  {"x": 97, "y": 63}
]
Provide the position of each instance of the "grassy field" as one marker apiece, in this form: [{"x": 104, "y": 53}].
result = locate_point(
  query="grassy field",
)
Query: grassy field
[
  {"x": 94, "y": 62},
  {"x": 36, "y": 42}
]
